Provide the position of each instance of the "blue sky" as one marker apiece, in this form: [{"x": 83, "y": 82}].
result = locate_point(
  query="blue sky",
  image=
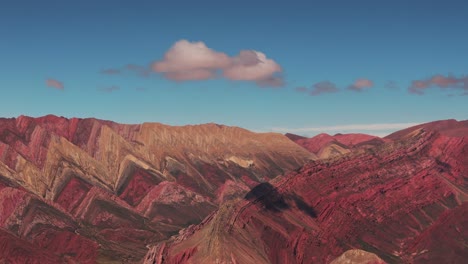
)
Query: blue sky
[{"x": 53, "y": 54}]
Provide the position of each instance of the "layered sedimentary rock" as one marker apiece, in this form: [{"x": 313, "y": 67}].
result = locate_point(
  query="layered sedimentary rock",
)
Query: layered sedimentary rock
[
  {"x": 88, "y": 190},
  {"x": 404, "y": 201},
  {"x": 450, "y": 127},
  {"x": 326, "y": 146}
]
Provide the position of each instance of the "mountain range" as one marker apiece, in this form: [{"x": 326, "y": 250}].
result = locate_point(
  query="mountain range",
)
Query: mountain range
[{"x": 94, "y": 191}]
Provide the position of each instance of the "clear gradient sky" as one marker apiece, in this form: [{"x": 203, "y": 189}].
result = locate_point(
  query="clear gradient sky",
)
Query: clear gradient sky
[{"x": 305, "y": 66}]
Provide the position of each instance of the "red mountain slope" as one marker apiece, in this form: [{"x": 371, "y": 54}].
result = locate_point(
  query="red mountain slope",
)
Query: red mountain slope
[
  {"x": 450, "y": 127},
  {"x": 87, "y": 190},
  {"x": 405, "y": 201},
  {"x": 326, "y": 146}
]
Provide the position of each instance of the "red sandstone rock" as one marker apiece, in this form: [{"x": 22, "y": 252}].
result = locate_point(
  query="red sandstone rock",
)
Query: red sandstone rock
[
  {"x": 88, "y": 190},
  {"x": 326, "y": 146},
  {"x": 404, "y": 201}
]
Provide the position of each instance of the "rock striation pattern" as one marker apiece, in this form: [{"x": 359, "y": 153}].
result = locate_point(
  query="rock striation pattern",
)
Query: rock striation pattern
[
  {"x": 326, "y": 146},
  {"x": 88, "y": 190},
  {"x": 404, "y": 201}
]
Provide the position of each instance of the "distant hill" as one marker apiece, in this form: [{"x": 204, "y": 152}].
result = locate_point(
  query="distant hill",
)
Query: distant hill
[{"x": 327, "y": 146}]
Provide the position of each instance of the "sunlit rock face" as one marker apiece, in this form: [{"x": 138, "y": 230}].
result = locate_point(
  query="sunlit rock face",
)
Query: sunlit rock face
[
  {"x": 356, "y": 256},
  {"x": 402, "y": 201},
  {"x": 88, "y": 190}
]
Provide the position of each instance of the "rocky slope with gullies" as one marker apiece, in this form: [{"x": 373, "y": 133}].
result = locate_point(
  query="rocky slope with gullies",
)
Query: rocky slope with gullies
[
  {"x": 404, "y": 201},
  {"x": 449, "y": 127},
  {"x": 326, "y": 146},
  {"x": 88, "y": 190}
]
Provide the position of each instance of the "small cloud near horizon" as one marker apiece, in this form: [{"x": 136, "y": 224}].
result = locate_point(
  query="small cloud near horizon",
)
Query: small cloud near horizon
[
  {"x": 53, "y": 83},
  {"x": 301, "y": 89},
  {"x": 319, "y": 88},
  {"x": 391, "y": 85},
  {"x": 442, "y": 82},
  {"x": 138, "y": 69},
  {"x": 191, "y": 61},
  {"x": 129, "y": 68},
  {"x": 361, "y": 84}
]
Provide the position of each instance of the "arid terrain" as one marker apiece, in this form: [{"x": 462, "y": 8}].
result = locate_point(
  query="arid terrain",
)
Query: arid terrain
[{"x": 94, "y": 191}]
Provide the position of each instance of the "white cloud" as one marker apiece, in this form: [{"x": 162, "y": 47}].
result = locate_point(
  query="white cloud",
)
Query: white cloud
[{"x": 186, "y": 61}]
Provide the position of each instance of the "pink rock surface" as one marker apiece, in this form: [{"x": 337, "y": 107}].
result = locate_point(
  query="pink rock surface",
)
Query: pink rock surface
[
  {"x": 344, "y": 142},
  {"x": 89, "y": 190},
  {"x": 405, "y": 201},
  {"x": 94, "y": 191}
]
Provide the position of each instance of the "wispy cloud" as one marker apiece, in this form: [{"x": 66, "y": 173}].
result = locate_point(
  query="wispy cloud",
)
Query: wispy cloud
[
  {"x": 109, "y": 89},
  {"x": 391, "y": 85},
  {"x": 439, "y": 81},
  {"x": 186, "y": 61},
  {"x": 302, "y": 89},
  {"x": 319, "y": 88},
  {"x": 347, "y": 128},
  {"x": 53, "y": 83},
  {"x": 139, "y": 70},
  {"x": 361, "y": 84}
]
